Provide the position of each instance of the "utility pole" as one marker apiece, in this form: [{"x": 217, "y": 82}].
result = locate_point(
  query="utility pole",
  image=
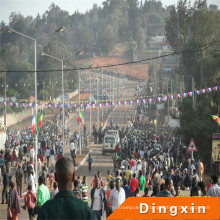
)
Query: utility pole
[
  {"x": 5, "y": 117},
  {"x": 113, "y": 87},
  {"x": 193, "y": 88},
  {"x": 106, "y": 93},
  {"x": 168, "y": 106},
  {"x": 90, "y": 101},
  {"x": 79, "y": 114},
  {"x": 102, "y": 97},
  {"x": 171, "y": 94},
  {"x": 97, "y": 99},
  {"x": 118, "y": 86}
]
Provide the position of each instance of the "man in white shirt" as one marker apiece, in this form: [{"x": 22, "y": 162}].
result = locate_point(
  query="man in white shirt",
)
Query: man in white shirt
[
  {"x": 214, "y": 190},
  {"x": 117, "y": 195},
  {"x": 98, "y": 200},
  {"x": 48, "y": 156},
  {"x": 72, "y": 146},
  {"x": 32, "y": 154}
]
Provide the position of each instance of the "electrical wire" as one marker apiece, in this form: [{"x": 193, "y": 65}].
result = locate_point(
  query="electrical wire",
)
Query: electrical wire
[{"x": 206, "y": 46}]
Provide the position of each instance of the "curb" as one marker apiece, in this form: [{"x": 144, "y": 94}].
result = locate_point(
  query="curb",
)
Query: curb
[{"x": 83, "y": 160}]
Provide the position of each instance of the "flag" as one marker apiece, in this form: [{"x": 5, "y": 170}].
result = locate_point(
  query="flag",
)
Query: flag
[
  {"x": 80, "y": 118},
  {"x": 96, "y": 108},
  {"x": 33, "y": 125},
  {"x": 39, "y": 121},
  {"x": 212, "y": 103},
  {"x": 216, "y": 118}
]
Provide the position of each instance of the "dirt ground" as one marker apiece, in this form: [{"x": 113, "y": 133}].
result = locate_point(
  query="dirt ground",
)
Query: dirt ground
[{"x": 139, "y": 70}]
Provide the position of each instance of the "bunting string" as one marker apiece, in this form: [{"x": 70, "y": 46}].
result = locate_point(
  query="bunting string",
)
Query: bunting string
[{"x": 117, "y": 102}]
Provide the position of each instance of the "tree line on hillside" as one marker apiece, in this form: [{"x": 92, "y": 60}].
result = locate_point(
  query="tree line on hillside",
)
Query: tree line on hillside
[
  {"x": 196, "y": 28},
  {"x": 95, "y": 32}
]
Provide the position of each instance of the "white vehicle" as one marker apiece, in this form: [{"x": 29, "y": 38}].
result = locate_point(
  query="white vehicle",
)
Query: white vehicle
[
  {"x": 115, "y": 133},
  {"x": 109, "y": 144}
]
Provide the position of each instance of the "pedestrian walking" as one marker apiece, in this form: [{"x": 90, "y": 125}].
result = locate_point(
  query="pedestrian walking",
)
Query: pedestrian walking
[
  {"x": 48, "y": 156},
  {"x": 76, "y": 191},
  {"x": 43, "y": 193},
  {"x": 5, "y": 190},
  {"x": 90, "y": 163},
  {"x": 52, "y": 154},
  {"x": 14, "y": 207},
  {"x": 133, "y": 184},
  {"x": 55, "y": 190},
  {"x": 51, "y": 178},
  {"x": 84, "y": 190},
  {"x": 25, "y": 171},
  {"x": 117, "y": 195},
  {"x": 31, "y": 181},
  {"x": 19, "y": 177},
  {"x": 109, "y": 205},
  {"x": 99, "y": 203},
  {"x": 30, "y": 199}
]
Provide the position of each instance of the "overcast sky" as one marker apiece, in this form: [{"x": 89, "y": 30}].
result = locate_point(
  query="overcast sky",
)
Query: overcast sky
[{"x": 33, "y": 7}]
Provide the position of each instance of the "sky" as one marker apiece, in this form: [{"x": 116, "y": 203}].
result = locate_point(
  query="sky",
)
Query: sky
[{"x": 33, "y": 7}]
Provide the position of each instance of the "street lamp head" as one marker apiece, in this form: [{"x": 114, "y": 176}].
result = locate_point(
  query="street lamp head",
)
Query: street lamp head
[
  {"x": 42, "y": 53},
  {"x": 79, "y": 53},
  {"x": 10, "y": 31},
  {"x": 60, "y": 29}
]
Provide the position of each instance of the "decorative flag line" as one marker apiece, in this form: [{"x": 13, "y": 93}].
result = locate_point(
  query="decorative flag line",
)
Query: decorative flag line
[
  {"x": 130, "y": 101},
  {"x": 216, "y": 118}
]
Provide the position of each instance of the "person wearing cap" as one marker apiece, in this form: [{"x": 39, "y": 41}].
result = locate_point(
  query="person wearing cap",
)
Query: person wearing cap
[{"x": 13, "y": 201}]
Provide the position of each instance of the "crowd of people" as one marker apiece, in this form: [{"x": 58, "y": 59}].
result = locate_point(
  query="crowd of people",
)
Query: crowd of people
[{"x": 147, "y": 159}]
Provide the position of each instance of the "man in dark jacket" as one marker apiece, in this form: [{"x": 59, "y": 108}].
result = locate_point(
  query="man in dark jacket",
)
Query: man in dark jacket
[
  {"x": 6, "y": 179},
  {"x": 167, "y": 191},
  {"x": 99, "y": 202}
]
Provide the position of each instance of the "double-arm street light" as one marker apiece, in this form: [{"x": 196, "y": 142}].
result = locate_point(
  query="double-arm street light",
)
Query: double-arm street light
[
  {"x": 62, "y": 61},
  {"x": 10, "y": 30}
]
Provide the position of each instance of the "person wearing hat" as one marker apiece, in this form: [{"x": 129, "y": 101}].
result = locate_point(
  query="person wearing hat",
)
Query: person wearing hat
[{"x": 13, "y": 202}]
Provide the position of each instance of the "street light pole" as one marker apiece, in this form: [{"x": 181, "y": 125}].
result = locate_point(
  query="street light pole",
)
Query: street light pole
[
  {"x": 79, "y": 114},
  {"x": 106, "y": 93},
  {"x": 113, "y": 87},
  {"x": 97, "y": 92},
  {"x": 35, "y": 88},
  {"x": 10, "y": 30},
  {"x": 63, "y": 109},
  {"x": 102, "y": 97},
  {"x": 90, "y": 112},
  {"x": 63, "y": 105}
]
